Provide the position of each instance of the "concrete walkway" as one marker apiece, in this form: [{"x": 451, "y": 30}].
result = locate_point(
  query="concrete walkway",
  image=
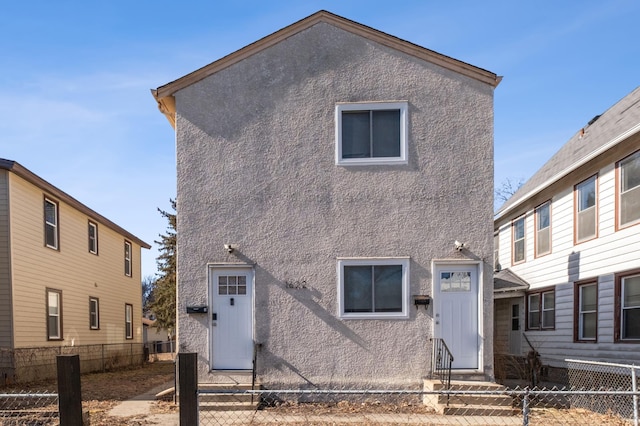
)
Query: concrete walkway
[{"x": 140, "y": 406}]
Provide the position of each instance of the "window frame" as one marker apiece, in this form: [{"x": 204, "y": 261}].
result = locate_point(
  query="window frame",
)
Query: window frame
[
  {"x": 60, "y": 334},
  {"x": 128, "y": 265},
  {"x": 496, "y": 251},
  {"x": 128, "y": 321},
  {"x": 55, "y": 226},
  {"x": 94, "y": 325},
  {"x": 540, "y": 293},
  {"x": 619, "y": 192},
  {"x": 576, "y": 211},
  {"x": 578, "y": 311},
  {"x": 522, "y": 218},
  {"x": 373, "y": 261},
  {"x": 617, "y": 329},
  {"x": 402, "y": 106},
  {"x": 547, "y": 229},
  {"x": 93, "y": 248}
]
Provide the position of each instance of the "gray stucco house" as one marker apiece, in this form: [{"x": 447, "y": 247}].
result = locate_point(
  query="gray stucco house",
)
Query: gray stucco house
[{"x": 325, "y": 173}]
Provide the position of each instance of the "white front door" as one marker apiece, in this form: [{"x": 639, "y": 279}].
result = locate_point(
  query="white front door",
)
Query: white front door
[
  {"x": 455, "y": 312},
  {"x": 231, "y": 290}
]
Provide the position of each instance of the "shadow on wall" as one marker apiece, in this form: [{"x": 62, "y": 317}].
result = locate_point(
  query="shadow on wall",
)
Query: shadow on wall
[{"x": 573, "y": 267}]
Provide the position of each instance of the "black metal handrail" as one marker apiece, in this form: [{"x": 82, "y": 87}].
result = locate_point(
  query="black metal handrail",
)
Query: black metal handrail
[
  {"x": 256, "y": 347},
  {"x": 441, "y": 362}
]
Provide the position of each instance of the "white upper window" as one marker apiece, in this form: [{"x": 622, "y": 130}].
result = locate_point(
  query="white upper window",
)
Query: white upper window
[
  {"x": 127, "y": 258},
  {"x": 93, "y": 238},
  {"x": 586, "y": 210},
  {"x": 373, "y": 288},
  {"x": 543, "y": 229},
  {"x": 629, "y": 190},
  {"x": 50, "y": 224},
  {"x": 371, "y": 133}
]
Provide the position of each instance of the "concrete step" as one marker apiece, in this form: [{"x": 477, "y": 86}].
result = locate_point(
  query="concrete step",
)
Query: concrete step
[
  {"x": 478, "y": 410},
  {"x": 491, "y": 400},
  {"x": 222, "y": 397}
]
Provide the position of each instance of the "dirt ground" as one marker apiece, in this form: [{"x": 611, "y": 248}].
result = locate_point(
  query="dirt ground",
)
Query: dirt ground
[{"x": 103, "y": 391}]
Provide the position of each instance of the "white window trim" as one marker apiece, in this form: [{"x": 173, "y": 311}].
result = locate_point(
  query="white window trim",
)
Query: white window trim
[
  {"x": 97, "y": 313},
  {"x": 94, "y": 249},
  {"x": 127, "y": 259},
  {"x": 57, "y": 315},
  {"x": 523, "y": 239},
  {"x": 53, "y": 225},
  {"x": 621, "y": 192},
  {"x": 348, "y": 261},
  {"x": 539, "y": 231},
  {"x": 128, "y": 321},
  {"x": 582, "y": 312},
  {"x": 403, "y": 106}
]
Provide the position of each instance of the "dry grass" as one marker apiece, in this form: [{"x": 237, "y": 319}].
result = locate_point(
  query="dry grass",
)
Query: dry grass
[{"x": 103, "y": 391}]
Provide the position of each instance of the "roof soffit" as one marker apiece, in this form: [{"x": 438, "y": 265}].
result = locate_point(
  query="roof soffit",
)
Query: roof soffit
[{"x": 164, "y": 94}]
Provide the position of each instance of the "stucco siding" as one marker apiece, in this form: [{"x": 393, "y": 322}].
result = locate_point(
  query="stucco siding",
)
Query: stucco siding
[
  {"x": 256, "y": 169},
  {"x": 71, "y": 269},
  {"x": 6, "y": 340}
]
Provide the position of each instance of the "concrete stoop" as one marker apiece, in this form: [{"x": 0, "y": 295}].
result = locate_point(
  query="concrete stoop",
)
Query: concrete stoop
[
  {"x": 222, "y": 397},
  {"x": 469, "y": 405}
]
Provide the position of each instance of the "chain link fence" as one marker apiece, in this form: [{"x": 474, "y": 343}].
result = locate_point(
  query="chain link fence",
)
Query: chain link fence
[
  {"x": 404, "y": 407},
  {"x": 33, "y": 409},
  {"x": 600, "y": 376}
]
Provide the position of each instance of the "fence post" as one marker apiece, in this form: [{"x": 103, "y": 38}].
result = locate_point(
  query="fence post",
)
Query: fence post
[
  {"x": 69, "y": 393},
  {"x": 525, "y": 407},
  {"x": 188, "y": 388},
  {"x": 635, "y": 397}
]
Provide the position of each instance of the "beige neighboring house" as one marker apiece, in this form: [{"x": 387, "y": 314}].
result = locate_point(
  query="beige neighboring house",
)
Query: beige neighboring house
[
  {"x": 68, "y": 275},
  {"x": 324, "y": 174}
]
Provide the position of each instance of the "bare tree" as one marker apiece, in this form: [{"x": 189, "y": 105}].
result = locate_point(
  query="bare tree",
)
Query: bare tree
[{"x": 507, "y": 188}]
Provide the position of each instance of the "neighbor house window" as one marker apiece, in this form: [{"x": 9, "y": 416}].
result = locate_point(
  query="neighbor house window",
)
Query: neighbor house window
[
  {"x": 128, "y": 321},
  {"x": 93, "y": 238},
  {"x": 629, "y": 190},
  {"x": 586, "y": 311},
  {"x": 627, "y": 320},
  {"x": 543, "y": 229},
  {"x": 586, "y": 210},
  {"x": 127, "y": 258},
  {"x": 518, "y": 231},
  {"x": 51, "y": 224},
  {"x": 496, "y": 252},
  {"x": 541, "y": 309},
  {"x": 373, "y": 288},
  {"x": 54, "y": 314},
  {"x": 371, "y": 133},
  {"x": 94, "y": 313}
]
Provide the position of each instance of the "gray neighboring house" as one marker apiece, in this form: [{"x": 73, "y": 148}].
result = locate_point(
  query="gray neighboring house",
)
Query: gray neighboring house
[
  {"x": 324, "y": 174},
  {"x": 567, "y": 246}
]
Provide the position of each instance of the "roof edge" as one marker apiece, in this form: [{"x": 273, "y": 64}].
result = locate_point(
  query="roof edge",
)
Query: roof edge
[
  {"x": 167, "y": 106},
  {"x": 29, "y": 176},
  {"x": 613, "y": 142}
]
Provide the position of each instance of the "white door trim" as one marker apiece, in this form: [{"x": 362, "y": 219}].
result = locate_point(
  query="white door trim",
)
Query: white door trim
[
  {"x": 439, "y": 264},
  {"x": 212, "y": 268}
]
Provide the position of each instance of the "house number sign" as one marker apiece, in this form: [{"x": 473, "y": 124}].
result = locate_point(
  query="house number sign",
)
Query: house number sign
[{"x": 295, "y": 284}]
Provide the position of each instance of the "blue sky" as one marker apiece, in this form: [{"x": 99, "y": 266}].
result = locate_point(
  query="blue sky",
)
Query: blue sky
[{"x": 75, "y": 106}]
